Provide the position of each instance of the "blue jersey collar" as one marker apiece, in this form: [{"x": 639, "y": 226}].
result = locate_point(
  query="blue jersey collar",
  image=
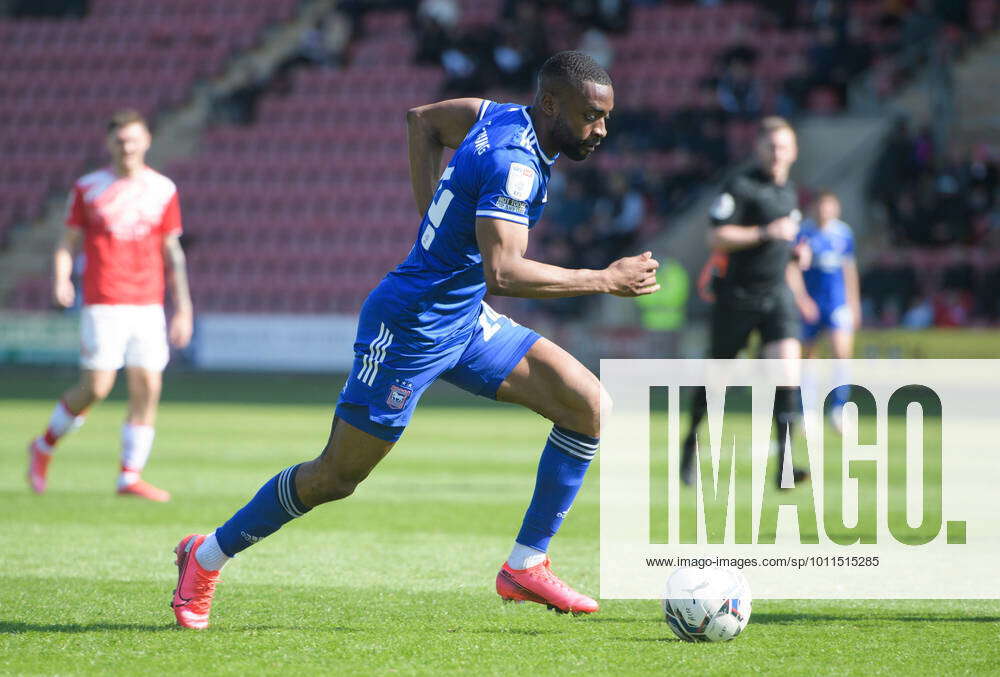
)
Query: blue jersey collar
[{"x": 532, "y": 138}]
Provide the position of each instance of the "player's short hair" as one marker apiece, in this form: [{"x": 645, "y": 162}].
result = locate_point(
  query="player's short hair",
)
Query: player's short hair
[
  {"x": 571, "y": 68},
  {"x": 826, "y": 194},
  {"x": 125, "y": 117},
  {"x": 773, "y": 123}
]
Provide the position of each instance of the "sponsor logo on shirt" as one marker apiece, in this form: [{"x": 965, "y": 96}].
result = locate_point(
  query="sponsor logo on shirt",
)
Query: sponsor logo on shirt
[{"x": 516, "y": 206}]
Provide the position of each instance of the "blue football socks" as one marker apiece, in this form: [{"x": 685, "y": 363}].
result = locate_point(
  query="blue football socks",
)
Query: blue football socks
[
  {"x": 275, "y": 504},
  {"x": 563, "y": 464}
]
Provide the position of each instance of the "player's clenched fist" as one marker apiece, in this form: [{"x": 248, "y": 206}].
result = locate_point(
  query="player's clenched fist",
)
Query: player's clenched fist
[
  {"x": 785, "y": 228},
  {"x": 633, "y": 275}
]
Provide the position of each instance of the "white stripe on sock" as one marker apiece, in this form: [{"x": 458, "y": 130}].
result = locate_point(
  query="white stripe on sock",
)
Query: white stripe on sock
[{"x": 285, "y": 492}]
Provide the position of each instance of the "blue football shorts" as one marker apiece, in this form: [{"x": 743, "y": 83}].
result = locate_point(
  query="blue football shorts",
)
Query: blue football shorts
[
  {"x": 830, "y": 317},
  {"x": 390, "y": 374}
]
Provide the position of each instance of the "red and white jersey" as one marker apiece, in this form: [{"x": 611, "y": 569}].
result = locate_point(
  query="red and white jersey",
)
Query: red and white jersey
[{"x": 124, "y": 222}]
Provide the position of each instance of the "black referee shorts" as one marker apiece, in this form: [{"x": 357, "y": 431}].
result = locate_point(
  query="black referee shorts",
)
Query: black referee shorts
[{"x": 737, "y": 312}]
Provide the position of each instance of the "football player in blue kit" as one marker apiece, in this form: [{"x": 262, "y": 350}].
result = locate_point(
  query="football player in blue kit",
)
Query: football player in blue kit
[
  {"x": 833, "y": 304},
  {"x": 427, "y": 320}
]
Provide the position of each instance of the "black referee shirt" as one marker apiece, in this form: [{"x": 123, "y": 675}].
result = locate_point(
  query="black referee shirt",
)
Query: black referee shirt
[{"x": 751, "y": 198}]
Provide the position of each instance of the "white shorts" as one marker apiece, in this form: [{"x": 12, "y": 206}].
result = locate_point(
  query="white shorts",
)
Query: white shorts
[{"x": 113, "y": 336}]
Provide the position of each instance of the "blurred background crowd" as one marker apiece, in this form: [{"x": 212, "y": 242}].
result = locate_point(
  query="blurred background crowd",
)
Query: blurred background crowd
[{"x": 299, "y": 157}]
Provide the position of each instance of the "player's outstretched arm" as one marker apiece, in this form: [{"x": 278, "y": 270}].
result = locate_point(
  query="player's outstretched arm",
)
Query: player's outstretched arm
[
  {"x": 182, "y": 322},
  {"x": 429, "y": 130},
  {"x": 63, "y": 292},
  {"x": 509, "y": 273},
  {"x": 732, "y": 237}
]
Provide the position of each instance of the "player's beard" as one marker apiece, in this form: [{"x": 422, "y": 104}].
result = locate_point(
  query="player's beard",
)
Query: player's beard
[{"x": 567, "y": 142}]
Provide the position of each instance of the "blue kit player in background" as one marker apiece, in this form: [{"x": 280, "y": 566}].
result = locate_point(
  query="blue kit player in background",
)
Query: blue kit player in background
[
  {"x": 831, "y": 283},
  {"x": 427, "y": 320}
]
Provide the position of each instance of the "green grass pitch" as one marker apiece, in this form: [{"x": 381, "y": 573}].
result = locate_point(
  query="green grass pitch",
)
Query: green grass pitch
[{"x": 398, "y": 579}]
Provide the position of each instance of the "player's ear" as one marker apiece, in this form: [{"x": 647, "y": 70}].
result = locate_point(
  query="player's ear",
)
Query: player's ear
[{"x": 549, "y": 104}]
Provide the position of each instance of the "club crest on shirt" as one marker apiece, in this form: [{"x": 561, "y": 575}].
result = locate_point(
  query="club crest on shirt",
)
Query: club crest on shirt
[{"x": 398, "y": 396}]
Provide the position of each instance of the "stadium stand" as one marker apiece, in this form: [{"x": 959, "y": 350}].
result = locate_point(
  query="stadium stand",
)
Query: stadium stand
[
  {"x": 316, "y": 191},
  {"x": 304, "y": 208},
  {"x": 62, "y": 77}
]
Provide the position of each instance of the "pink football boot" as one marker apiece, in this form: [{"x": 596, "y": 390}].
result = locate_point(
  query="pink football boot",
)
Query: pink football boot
[
  {"x": 539, "y": 584},
  {"x": 192, "y": 601},
  {"x": 38, "y": 468},
  {"x": 143, "y": 489}
]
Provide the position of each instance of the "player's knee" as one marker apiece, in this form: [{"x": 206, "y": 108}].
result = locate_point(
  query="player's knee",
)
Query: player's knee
[
  {"x": 97, "y": 391},
  {"x": 338, "y": 484},
  {"x": 606, "y": 405},
  {"x": 584, "y": 416},
  {"x": 153, "y": 388},
  {"x": 338, "y": 490}
]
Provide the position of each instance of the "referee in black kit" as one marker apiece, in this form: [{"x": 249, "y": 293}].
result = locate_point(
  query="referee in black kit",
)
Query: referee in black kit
[{"x": 755, "y": 222}]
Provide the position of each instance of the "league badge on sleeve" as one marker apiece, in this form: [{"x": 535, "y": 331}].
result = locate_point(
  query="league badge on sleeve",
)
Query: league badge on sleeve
[
  {"x": 520, "y": 181},
  {"x": 723, "y": 207}
]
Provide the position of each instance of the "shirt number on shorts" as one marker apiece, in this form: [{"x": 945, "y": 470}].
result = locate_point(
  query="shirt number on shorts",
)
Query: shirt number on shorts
[{"x": 435, "y": 213}]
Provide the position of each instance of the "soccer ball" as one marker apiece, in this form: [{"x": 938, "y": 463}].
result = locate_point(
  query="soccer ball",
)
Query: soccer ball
[{"x": 707, "y": 605}]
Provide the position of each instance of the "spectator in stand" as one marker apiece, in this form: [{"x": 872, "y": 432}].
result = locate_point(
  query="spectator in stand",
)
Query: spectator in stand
[
  {"x": 622, "y": 211},
  {"x": 595, "y": 43},
  {"x": 738, "y": 90},
  {"x": 988, "y": 289},
  {"x": 931, "y": 198},
  {"x": 518, "y": 47},
  {"x": 920, "y": 314},
  {"x": 952, "y": 308},
  {"x": 435, "y": 22},
  {"x": 795, "y": 88},
  {"x": 608, "y": 15},
  {"x": 697, "y": 128},
  {"x": 463, "y": 66},
  {"x": 785, "y": 11},
  {"x": 888, "y": 287},
  {"x": 570, "y": 209},
  {"x": 827, "y": 57},
  {"x": 322, "y": 43}
]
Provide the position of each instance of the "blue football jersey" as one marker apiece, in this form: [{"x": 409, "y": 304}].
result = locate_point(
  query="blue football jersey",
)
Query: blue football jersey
[
  {"x": 831, "y": 247},
  {"x": 499, "y": 171}
]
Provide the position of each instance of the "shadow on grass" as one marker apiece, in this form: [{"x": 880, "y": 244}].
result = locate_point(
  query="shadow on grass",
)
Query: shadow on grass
[
  {"x": 630, "y": 621},
  {"x": 504, "y": 631},
  {"x": 19, "y": 627},
  {"x": 788, "y": 618}
]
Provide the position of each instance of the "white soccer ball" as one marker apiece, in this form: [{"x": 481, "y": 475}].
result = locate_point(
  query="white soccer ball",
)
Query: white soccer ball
[{"x": 707, "y": 605}]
